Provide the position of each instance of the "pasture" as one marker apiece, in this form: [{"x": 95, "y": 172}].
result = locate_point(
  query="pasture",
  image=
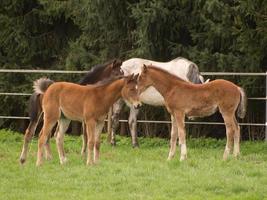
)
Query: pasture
[{"x": 127, "y": 173}]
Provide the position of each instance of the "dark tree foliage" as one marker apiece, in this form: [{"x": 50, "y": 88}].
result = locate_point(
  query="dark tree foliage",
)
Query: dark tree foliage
[{"x": 218, "y": 35}]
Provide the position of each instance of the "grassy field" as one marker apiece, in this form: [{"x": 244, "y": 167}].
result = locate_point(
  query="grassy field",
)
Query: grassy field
[{"x": 126, "y": 173}]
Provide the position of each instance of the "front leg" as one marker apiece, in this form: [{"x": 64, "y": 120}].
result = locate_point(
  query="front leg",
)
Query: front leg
[
  {"x": 133, "y": 125},
  {"x": 117, "y": 107},
  {"x": 90, "y": 129},
  {"x": 98, "y": 130},
  {"x": 179, "y": 117},
  {"x": 174, "y": 135}
]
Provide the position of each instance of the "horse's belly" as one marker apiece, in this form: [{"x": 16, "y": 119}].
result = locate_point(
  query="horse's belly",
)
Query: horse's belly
[
  {"x": 202, "y": 111},
  {"x": 152, "y": 97},
  {"x": 72, "y": 115}
]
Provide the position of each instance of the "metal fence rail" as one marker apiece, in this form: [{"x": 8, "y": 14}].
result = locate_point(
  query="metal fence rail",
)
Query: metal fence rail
[{"x": 144, "y": 121}]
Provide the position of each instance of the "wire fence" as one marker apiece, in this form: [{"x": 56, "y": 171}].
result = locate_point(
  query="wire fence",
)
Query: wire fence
[{"x": 144, "y": 121}]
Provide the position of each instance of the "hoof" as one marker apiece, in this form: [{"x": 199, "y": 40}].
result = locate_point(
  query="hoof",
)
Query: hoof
[
  {"x": 22, "y": 161},
  {"x": 83, "y": 153},
  {"x": 48, "y": 157},
  {"x": 38, "y": 164},
  {"x": 136, "y": 145},
  {"x": 113, "y": 143},
  {"x": 170, "y": 157},
  {"x": 182, "y": 158},
  {"x": 91, "y": 163},
  {"x": 63, "y": 161}
]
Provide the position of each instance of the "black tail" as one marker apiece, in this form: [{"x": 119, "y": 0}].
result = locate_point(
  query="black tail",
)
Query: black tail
[{"x": 35, "y": 107}]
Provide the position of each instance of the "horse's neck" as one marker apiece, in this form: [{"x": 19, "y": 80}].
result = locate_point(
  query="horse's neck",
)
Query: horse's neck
[
  {"x": 162, "y": 85},
  {"x": 112, "y": 91}
]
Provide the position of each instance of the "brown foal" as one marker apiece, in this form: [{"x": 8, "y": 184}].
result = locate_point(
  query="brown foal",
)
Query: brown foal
[
  {"x": 97, "y": 73},
  {"x": 196, "y": 100},
  {"x": 64, "y": 101}
]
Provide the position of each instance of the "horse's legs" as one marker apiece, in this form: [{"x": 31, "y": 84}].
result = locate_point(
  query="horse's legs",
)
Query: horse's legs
[
  {"x": 174, "y": 135},
  {"x": 47, "y": 127},
  {"x": 230, "y": 129},
  {"x": 35, "y": 111},
  {"x": 98, "y": 130},
  {"x": 63, "y": 125},
  {"x": 48, "y": 152},
  {"x": 236, "y": 138},
  {"x": 27, "y": 138},
  {"x": 90, "y": 129},
  {"x": 115, "y": 121},
  {"x": 133, "y": 125},
  {"x": 84, "y": 137},
  {"x": 179, "y": 117}
]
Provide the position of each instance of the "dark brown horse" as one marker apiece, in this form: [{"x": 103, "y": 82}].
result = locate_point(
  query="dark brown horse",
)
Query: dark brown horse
[
  {"x": 63, "y": 101},
  {"x": 196, "y": 100},
  {"x": 96, "y": 74}
]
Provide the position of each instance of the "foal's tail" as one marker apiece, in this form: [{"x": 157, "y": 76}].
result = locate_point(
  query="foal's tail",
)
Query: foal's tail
[
  {"x": 242, "y": 106},
  {"x": 41, "y": 85},
  {"x": 35, "y": 107}
]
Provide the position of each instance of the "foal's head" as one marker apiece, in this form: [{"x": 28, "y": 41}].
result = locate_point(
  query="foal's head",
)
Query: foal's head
[
  {"x": 143, "y": 80},
  {"x": 114, "y": 69},
  {"x": 130, "y": 92}
]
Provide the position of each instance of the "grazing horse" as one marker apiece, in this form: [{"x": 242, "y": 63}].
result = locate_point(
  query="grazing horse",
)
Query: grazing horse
[
  {"x": 97, "y": 73},
  {"x": 63, "y": 102},
  {"x": 197, "y": 100},
  {"x": 180, "y": 67}
]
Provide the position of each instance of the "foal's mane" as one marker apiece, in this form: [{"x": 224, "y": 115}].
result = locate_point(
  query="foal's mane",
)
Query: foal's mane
[
  {"x": 108, "y": 81},
  {"x": 92, "y": 75},
  {"x": 166, "y": 73}
]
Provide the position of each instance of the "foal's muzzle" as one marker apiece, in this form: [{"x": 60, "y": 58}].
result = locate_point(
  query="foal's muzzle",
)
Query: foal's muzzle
[{"x": 137, "y": 105}]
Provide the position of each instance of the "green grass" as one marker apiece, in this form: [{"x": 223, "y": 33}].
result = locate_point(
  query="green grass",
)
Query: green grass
[{"x": 126, "y": 173}]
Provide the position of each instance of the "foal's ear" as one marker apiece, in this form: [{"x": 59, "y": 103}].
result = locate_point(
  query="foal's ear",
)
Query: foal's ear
[
  {"x": 116, "y": 63},
  {"x": 135, "y": 77},
  {"x": 129, "y": 78},
  {"x": 144, "y": 69}
]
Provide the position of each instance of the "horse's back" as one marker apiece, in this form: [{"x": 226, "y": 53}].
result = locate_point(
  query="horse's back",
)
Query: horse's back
[
  {"x": 179, "y": 66},
  {"x": 60, "y": 90}
]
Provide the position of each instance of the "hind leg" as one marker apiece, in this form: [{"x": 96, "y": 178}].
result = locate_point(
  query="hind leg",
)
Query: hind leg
[
  {"x": 50, "y": 119},
  {"x": 133, "y": 125},
  {"x": 236, "y": 138},
  {"x": 63, "y": 125},
  {"x": 48, "y": 151},
  {"x": 174, "y": 136},
  {"x": 230, "y": 129},
  {"x": 27, "y": 138},
  {"x": 98, "y": 130},
  {"x": 84, "y": 137}
]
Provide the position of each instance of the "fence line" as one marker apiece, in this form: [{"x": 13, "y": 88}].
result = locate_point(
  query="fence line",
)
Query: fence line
[
  {"x": 155, "y": 122},
  {"x": 83, "y": 72},
  {"x": 29, "y": 94},
  {"x": 143, "y": 121}
]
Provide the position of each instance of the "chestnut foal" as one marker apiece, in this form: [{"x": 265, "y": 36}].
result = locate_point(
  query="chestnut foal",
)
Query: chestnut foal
[
  {"x": 98, "y": 73},
  {"x": 196, "y": 100},
  {"x": 64, "y": 101}
]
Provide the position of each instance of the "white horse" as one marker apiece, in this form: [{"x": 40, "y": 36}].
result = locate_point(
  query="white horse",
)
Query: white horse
[{"x": 180, "y": 67}]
